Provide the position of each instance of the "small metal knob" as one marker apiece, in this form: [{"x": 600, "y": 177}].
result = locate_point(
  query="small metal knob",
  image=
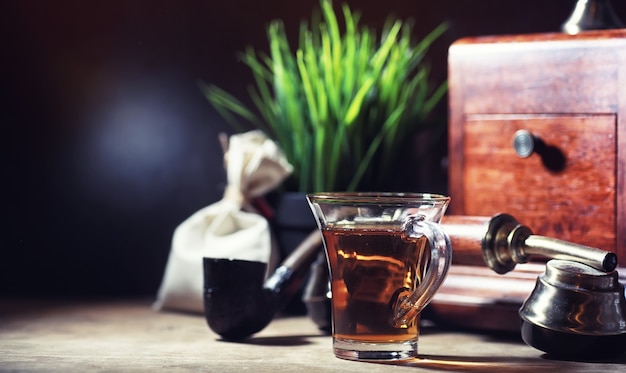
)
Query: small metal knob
[{"x": 524, "y": 143}]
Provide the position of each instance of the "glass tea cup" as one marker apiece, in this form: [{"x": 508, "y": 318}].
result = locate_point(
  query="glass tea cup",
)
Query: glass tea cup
[{"x": 387, "y": 257}]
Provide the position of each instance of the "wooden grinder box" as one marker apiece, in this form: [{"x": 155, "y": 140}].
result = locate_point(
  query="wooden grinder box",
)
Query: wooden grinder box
[{"x": 567, "y": 94}]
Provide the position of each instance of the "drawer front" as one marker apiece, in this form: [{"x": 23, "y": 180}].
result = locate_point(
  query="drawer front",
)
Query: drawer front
[{"x": 568, "y": 191}]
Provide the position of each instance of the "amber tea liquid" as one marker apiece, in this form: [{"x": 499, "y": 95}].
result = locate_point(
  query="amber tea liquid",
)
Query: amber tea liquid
[{"x": 370, "y": 264}]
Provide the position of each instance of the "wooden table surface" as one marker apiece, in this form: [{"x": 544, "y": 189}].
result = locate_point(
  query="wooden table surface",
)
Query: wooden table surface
[{"x": 128, "y": 336}]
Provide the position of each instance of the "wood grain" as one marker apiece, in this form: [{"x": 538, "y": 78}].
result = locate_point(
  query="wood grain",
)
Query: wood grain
[
  {"x": 569, "y": 91},
  {"x": 128, "y": 336}
]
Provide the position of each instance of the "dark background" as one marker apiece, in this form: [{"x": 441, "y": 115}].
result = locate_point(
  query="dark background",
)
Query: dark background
[{"x": 108, "y": 143}]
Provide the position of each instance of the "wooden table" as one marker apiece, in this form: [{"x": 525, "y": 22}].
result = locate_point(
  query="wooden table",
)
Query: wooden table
[{"x": 128, "y": 336}]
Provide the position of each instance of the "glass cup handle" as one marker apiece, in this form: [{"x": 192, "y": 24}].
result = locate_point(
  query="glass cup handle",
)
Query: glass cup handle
[{"x": 408, "y": 304}]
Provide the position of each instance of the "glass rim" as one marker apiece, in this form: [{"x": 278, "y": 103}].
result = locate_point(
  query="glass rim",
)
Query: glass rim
[{"x": 376, "y": 197}]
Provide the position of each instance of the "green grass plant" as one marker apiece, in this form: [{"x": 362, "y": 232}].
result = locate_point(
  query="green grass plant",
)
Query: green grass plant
[{"x": 343, "y": 103}]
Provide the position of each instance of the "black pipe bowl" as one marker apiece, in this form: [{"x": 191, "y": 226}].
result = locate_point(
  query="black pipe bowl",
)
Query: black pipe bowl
[{"x": 235, "y": 303}]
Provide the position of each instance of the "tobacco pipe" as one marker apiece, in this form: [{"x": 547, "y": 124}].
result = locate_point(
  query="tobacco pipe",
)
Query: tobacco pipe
[
  {"x": 239, "y": 301},
  {"x": 577, "y": 308}
]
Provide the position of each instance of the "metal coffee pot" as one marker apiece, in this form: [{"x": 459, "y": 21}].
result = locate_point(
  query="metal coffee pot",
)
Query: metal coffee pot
[{"x": 575, "y": 310}]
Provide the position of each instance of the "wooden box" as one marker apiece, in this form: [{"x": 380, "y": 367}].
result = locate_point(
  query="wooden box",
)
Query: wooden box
[
  {"x": 568, "y": 95},
  {"x": 569, "y": 92}
]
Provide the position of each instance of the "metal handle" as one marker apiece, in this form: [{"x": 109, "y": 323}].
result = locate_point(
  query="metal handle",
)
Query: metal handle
[
  {"x": 504, "y": 243},
  {"x": 524, "y": 143}
]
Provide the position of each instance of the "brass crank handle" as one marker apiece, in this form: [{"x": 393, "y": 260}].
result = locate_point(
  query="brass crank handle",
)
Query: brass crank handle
[{"x": 502, "y": 242}]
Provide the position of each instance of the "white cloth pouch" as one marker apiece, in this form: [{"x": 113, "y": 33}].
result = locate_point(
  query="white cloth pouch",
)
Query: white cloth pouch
[{"x": 229, "y": 228}]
